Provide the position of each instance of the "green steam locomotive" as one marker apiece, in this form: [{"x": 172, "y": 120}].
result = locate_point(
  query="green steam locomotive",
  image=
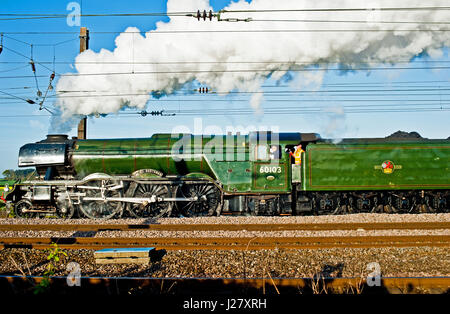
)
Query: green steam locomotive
[{"x": 262, "y": 173}]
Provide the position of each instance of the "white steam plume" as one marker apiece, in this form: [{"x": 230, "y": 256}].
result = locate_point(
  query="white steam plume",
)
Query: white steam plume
[{"x": 298, "y": 50}]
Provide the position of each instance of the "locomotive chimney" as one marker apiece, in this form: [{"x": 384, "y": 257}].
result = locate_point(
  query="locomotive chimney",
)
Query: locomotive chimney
[{"x": 56, "y": 138}]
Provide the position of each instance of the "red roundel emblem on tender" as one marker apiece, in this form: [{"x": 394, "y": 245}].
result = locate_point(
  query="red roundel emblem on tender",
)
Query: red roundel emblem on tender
[{"x": 388, "y": 166}]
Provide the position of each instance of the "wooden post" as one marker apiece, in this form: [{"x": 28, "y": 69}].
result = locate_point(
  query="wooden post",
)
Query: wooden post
[{"x": 84, "y": 45}]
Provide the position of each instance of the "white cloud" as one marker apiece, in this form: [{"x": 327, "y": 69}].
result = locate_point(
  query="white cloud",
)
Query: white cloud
[{"x": 298, "y": 49}]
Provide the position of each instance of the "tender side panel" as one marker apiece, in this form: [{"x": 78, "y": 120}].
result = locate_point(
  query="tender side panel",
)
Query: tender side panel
[{"x": 421, "y": 165}]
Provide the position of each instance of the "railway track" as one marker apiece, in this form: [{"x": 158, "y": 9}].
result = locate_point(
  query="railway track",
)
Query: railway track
[
  {"x": 220, "y": 243},
  {"x": 252, "y": 242},
  {"x": 229, "y": 227}
]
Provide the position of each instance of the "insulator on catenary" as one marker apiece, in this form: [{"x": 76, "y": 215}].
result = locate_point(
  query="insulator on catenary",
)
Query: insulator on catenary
[
  {"x": 33, "y": 67},
  {"x": 203, "y": 90},
  {"x": 1, "y": 49},
  {"x": 204, "y": 15},
  {"x": 152, "y": 113},
  {"x": 30, "y": 101},
  {"x": 52, "y": 77}
]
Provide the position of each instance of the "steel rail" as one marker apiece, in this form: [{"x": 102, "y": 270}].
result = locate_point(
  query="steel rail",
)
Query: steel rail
[
  {"x": 220, "y": 243},
  {"x": 230, "y": 227}
]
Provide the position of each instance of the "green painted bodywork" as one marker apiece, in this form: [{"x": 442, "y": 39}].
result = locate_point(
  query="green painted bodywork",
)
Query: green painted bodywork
[
  {"x": 421, "y": 164},
  {"x": 232, "y": 160},
  {"x": 124, "y": 156},
  {"x": 228, "y": 159}
]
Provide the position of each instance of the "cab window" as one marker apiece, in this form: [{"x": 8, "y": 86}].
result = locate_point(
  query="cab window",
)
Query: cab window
[
  {"x": 261, "y": 152},
  {"x": 275, "y": 152}
]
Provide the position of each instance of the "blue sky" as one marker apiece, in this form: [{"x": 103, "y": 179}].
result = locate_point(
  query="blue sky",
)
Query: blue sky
[{"x": 335, "y": 120}]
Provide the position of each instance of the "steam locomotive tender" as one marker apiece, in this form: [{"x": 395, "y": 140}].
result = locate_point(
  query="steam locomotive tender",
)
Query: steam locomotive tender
[{"x": 255, "y": 174}]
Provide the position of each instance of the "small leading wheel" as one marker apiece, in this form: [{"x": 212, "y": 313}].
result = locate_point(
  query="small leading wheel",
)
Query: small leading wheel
[
  {"x": 101, "y": 209},
  {"x": 207, "y": 201},
  {"x": 65, "y": 211},
  {"x": 149, "y": 209},
  {"x": 22, "y": 209},
  {"x": 65, "y": 208}
]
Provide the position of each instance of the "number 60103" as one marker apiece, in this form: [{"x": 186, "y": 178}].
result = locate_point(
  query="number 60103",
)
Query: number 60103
[{"x": 270, "y": 169}]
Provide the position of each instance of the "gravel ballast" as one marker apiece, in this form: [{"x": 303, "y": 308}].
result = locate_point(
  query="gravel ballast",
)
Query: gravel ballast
[
  {"x": 220, "y": 234},
  {"x": 278, "y": 263},
  {"x": 351, "y": 218},
  {"x": 394, "y": 262}
]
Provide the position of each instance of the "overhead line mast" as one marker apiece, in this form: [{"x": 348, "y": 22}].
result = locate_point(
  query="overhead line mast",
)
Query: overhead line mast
[{"x": 84, "y": 45}]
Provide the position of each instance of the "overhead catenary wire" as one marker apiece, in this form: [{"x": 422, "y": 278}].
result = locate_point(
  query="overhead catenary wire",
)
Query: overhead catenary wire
[
  {"x": 438, "y": 84},
  {"x": 375, "y": 83},
  {"x": 252, "y": 112},
  {"x": 366, "y": 9},
  {"x": 280, "y": 93},
  {"x": 27, "y": 100},
  {"x": 14, "y": 69},
  {"x": 363, "y": 9},
  {"x": 40, "y": 44},
  {"x": 14, "y": 96},
  {"x": 273, "y": 20},
  {"x": 290, "y": 62},
  {"x": 30, "y": 59},
  {"x": 33, "y": 63},
  {"x": 350, "y": 21},
  {"x": 366, "y": 102},
  {"x": 239, "y": 71},
  {"x": 296, "y": 100},
  {"x": 289, "y": 92},
  {"x": 33, "y": 68},
  {"x": 31, "y": 102},
  {"x": 401, "y": 90},
  {"x": 191, "y": 13},
  {"x": 194, "y": 31}
]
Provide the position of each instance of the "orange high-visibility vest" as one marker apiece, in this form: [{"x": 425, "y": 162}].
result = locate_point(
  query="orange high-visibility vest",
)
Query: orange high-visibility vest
[{"x": 298, "y": 155}]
